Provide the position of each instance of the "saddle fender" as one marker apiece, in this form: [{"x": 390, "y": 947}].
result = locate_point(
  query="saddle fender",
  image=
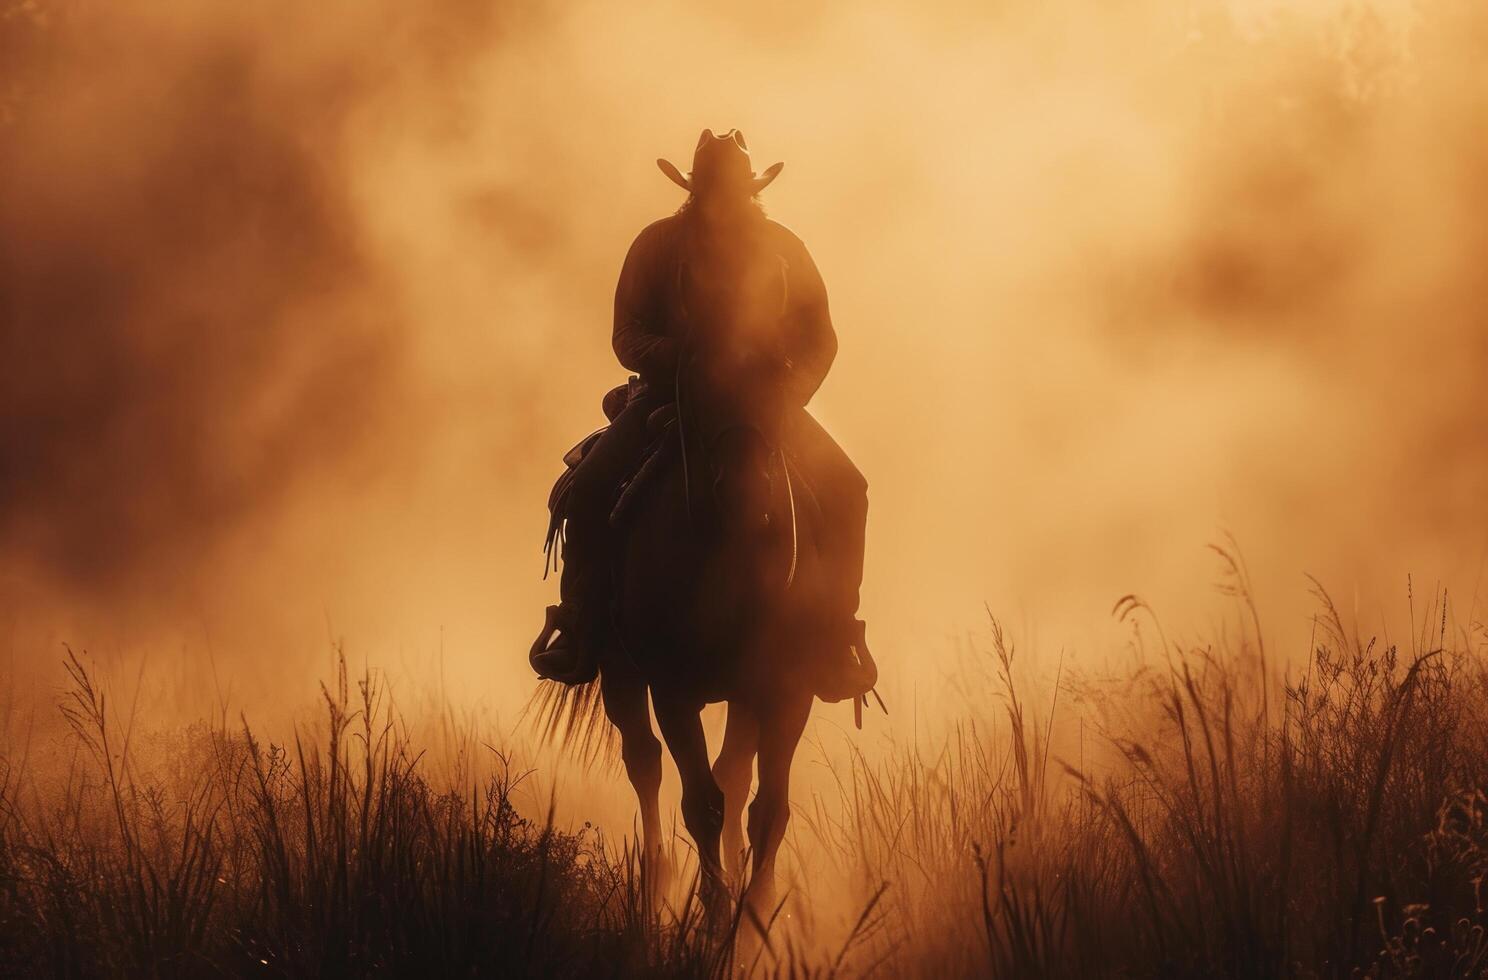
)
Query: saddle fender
[{"x": 613, "y": 403}]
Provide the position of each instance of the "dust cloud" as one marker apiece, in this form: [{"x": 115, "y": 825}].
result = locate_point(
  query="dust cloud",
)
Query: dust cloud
[{"x": 300, "y": 306}]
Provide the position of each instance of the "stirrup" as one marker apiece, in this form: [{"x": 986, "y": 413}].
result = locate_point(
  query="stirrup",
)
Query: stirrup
[
  {"x": 858, "y": 678},
  {"x": 562, "y": 659}
]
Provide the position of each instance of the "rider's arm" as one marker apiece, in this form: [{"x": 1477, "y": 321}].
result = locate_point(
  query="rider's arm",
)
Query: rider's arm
[
  {"x": 638, "y": 342},
  {"x": 813, "y": 342}
]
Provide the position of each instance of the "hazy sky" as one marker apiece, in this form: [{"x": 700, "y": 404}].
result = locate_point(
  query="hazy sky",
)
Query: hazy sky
[{"x": 300, "y": 306}]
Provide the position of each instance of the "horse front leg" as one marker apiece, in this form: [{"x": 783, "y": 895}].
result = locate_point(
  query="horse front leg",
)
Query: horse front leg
[
  {"x": 625, "y": 704},
  {"x": 733, "y": 770},
  {"x": 780, "y": 728},
  {"x": 702, "y": 801}
]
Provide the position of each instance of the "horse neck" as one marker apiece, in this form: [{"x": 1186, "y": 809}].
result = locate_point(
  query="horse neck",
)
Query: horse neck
[{"x": 740, "y": 462}]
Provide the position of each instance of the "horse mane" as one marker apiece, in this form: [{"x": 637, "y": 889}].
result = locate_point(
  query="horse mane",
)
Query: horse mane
[{"x": 573, "y": 717}]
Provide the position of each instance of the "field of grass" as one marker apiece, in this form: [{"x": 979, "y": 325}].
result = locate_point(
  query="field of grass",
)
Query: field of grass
[{"x": 1223, "y": 817}]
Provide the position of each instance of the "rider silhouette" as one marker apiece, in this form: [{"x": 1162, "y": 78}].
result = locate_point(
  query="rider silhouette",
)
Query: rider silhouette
[{"x": 721, "y": 216}]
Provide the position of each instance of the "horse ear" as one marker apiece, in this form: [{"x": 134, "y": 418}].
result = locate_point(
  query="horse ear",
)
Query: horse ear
[{"x": 668, "y": 168}]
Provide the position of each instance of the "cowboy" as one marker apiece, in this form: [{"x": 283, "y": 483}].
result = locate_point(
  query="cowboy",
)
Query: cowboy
[{"x": 721, "y": 216}]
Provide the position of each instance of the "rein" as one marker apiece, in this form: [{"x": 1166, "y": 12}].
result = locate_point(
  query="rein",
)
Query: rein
[
  {"x": 682, "y": 440},
  {"x": 790, "y": 495}
]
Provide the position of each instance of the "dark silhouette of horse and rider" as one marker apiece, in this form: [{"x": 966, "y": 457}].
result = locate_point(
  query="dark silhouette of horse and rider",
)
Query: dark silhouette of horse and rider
[{"x": 712, "y": 534}]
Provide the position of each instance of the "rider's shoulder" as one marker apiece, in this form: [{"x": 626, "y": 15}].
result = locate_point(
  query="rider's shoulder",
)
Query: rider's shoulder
[
  {"x": 783, "y": 233},
  {"x": 659, "y": 230},
  {"x": 785, "y": 241}
]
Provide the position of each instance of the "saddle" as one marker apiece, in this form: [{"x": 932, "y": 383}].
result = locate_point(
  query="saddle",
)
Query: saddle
[
  {"x": 664, "y": 445},
  {"x": 661, "y": 423}
]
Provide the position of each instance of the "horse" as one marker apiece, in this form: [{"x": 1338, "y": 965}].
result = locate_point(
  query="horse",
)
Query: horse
[{"x": 717, "y": 592}]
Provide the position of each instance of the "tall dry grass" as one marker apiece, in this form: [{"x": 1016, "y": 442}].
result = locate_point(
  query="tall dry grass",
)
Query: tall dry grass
[
  {"x": 1227, "y": 819},
  {"x": 1220, "y": 816},
  {"x": 329, "y": 858}
]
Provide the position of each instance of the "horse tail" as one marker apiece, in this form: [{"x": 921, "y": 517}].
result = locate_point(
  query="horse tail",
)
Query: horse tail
[{"x": 573, "y": 716}]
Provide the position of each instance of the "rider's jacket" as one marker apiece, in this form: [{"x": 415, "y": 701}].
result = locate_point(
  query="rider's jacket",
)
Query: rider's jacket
[{"x": 650, "y": 315}]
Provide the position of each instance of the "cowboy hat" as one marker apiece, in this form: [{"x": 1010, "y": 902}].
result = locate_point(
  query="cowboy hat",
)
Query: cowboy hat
[{"x": 721, "y": 161}]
